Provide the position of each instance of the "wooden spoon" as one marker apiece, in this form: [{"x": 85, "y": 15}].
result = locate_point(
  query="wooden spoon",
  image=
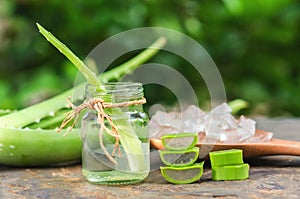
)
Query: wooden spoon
[{"x": 250, "y": 150}]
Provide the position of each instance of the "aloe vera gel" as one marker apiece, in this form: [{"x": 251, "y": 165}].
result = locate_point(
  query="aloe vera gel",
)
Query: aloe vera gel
[{"x": 121, "y": 157}]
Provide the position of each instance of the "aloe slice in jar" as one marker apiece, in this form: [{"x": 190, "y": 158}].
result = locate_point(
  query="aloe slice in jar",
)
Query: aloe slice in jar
[
  {"x": 179, "y": 158},
  {"x": 179, "y": 141},
  {"x": 231, "y": 172},
  {"x": 182, "y": 175},
  {"x": 226, "y": 157}
]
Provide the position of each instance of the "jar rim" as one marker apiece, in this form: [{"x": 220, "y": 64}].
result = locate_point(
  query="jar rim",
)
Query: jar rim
[
  {"x": 117, "y": 89},
  {"x": 117, "y": 84}
]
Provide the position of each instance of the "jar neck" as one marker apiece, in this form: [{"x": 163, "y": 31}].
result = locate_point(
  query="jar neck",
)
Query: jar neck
[{"x": 115, "y": 92}]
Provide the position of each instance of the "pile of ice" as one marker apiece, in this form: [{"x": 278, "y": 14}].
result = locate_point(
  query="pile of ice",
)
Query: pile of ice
[{"x": 216, "y": 125}]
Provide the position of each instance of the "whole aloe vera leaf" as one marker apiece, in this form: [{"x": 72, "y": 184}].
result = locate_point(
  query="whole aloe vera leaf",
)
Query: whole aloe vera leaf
[{"x": 37, "y": 147}]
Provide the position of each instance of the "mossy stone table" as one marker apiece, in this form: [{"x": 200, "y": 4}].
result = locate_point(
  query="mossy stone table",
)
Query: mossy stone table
[{"x": 270, "y": 177}]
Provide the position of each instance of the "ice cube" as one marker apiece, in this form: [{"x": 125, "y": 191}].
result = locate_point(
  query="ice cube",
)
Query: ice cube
[
  {"x": 229, "y": 136},
  {"x": 192, "y": 119},
  {"x": 193, "y": 112},
  {"x": 217, "y": 119},
  {"x": 160, "y": 117},
  {"x": 171, "y": 119},
  {"x": 163, "y": 123},
  {"x": 246, "y": 128},
  {"x": 260, "y": 137},
  {"x": 157, "y": 131},
  {"x": 221, "y": 109},
  {"x": 230, "y": 122},
  {"x": 154, "y": 129},
  {"x": 213, "y": 128}
]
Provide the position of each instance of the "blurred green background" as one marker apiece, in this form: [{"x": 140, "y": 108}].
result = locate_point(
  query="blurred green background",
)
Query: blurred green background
[{"x": 255, "y": 45}]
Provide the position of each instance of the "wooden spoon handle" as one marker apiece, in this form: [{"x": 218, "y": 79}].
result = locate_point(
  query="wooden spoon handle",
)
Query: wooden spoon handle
[
  {"x": 282, "y": 147},
  {"x": 273, "y": 147}
]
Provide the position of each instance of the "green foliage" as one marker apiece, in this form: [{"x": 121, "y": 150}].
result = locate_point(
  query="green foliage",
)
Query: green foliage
[{"x": 255, "y": 45}]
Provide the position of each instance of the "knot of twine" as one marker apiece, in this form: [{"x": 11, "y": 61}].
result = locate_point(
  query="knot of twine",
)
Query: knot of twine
[{"x": 99, "y": 105}]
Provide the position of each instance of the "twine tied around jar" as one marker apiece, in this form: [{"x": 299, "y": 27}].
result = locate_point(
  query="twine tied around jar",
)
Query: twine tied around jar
[{"x": 99, "y": 105}]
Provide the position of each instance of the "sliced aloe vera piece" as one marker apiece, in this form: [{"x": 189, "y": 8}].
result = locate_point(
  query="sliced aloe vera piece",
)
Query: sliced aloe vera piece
[
  {"x": 179, "y": 158},
  {"x": 180, "y": 141},
  {"x": 231, "y": 172},
  {"x": 226, "y": 157},
  {"x": 182, "y": 175}
]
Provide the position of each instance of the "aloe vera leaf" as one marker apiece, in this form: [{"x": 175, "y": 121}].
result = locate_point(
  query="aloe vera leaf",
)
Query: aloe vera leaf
[
  {"x": 50, "y": 122},
  {"x": 5, "y": 112},
  {"x": 89, "y": 75},
  {"x": 132, "y": 145},
  {"x": 237, "y": 105},
  {"x": 35, "y": 113},
  {"x": 37, "y": 147}
]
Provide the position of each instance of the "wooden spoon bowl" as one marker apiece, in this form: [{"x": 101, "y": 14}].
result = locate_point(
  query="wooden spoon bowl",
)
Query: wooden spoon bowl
[{"x": 250, "y": 150}]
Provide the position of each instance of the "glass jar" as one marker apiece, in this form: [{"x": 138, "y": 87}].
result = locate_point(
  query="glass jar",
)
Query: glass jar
[{"x": 130, "y": 163}]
